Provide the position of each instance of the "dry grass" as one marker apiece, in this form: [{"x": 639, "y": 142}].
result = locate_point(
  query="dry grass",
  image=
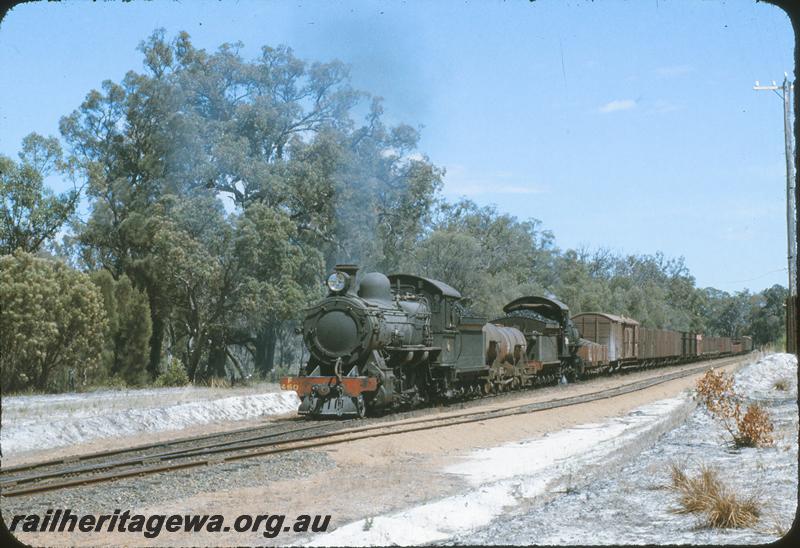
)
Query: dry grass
[
  {"x": 717, "y": 394},
  {"x": 778, "y": 526},
  {"x": 218, "y": 382},
  {"x": 706, "y": 494}
]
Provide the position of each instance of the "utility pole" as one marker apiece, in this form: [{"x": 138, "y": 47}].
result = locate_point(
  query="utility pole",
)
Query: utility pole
[
  {"x": 786, "y": 94},
  {"x": 791, "y": 228}
]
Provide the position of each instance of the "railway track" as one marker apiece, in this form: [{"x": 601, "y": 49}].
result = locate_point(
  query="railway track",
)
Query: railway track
[{"x": 261, "y": 441}]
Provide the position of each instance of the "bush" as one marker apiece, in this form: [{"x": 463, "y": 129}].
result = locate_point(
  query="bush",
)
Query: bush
[
  {"x": 755, "y": 428},
  {"x": 717, "y": 394},
  {"x": 127, "y": 345},
  {"x": 52, "y": 321},
  {"x": 173, "y": 375},
  {"x": 706, "y": 494}
]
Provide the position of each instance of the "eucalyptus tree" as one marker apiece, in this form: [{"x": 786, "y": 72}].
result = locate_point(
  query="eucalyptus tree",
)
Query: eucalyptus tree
[
  {"x": 30, "y": 213},
  {"x": 490, "y": 257},
  {"x": 768, "y": 315},
  {"x": 275, "y": 138}
]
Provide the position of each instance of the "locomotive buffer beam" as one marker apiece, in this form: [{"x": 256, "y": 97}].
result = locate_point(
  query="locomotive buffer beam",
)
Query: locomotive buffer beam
[{"x": 323, "y": 395}]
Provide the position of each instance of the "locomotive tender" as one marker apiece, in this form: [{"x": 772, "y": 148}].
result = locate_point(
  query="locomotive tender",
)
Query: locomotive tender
[{"x": 381, "y": 342}]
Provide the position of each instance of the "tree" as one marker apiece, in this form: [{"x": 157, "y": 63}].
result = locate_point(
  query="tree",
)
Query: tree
[
  {"x": 30, "y": 213},
  {"x": 51, "y": 320},
  {"x": 768, "y": 315},
  {"x": 490, "y": 257},
  {"x": 274, "y": 133},
  {"x": 129, "y": 329},
  {"x": 384, "y": 192}
]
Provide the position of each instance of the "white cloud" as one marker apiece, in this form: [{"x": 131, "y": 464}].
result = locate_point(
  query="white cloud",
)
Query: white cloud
[
  {"x": 459, "y": 182},
  {"x": 473, "y": 189},
  {"x": 619, "y": 104}
]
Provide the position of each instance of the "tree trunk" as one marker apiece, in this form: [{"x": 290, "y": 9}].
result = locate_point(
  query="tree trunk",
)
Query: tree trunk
[
  {"x": 217, "y": 356},
  {"x": 265, "y": 349},
  {"x": 156, "y": 341},
  {"x": 193, "y": 354},
  {"x": 41, "y": 381}
]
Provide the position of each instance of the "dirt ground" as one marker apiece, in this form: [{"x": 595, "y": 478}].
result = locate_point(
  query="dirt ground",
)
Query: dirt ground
[{"x": 376, "y": 476}]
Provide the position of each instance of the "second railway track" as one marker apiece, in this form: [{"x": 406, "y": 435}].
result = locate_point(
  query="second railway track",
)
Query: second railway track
[{"x": 261, "y": 441}]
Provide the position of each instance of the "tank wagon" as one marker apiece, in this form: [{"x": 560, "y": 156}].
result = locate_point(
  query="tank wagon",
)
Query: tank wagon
[{"x": 379, "y": 342}]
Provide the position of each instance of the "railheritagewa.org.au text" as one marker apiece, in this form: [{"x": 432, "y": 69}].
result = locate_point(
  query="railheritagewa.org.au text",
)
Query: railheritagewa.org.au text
[{"x": 270, "y": 525}]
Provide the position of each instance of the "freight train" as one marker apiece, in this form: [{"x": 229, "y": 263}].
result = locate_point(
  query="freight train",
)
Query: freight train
[{"x": 378, "y": 342}]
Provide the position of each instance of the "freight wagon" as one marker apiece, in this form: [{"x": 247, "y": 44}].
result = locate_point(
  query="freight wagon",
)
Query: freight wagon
[{"x": 629, "y": 343}]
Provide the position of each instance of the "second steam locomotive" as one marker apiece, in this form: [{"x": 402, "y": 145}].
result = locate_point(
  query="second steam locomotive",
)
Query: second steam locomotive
[{"x": 381, "y": 342}]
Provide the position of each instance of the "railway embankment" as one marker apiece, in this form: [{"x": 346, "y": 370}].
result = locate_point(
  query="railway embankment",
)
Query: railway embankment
[{"x": 41, "y": 426}]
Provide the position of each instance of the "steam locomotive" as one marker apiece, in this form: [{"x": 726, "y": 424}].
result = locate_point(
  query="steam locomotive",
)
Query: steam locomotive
[
  {"x": 387, "y": 341},
  {"x": 382, "y": 342}
]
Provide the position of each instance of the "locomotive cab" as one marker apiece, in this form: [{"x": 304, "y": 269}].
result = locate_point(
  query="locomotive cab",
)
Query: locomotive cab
[{"x": 456, "y": 336}]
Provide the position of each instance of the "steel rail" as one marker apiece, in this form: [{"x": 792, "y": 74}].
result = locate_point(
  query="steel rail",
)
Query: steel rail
[
  {"x": 245, "y": 449},
  {"x": 72, "y": 459},
  {"x": 150, "y": 458}
]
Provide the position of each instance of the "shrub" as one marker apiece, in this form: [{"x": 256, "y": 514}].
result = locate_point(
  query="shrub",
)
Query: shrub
[
  {"x": 51, "y": 321},
  {"x": 173, "y": 375},
  {"x": 717, "y": 394},
  {"x": 706, "y": 494},
  {"x": 754, "y": 428},
  {"x": 277, "y": 372}
]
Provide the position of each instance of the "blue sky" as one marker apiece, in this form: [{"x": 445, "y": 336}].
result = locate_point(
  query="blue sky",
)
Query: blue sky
[{"x": 629, "y": 125}]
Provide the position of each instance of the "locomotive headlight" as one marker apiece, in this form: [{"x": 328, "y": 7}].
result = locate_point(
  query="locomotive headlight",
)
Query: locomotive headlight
[{"x": 337, "y": 281}]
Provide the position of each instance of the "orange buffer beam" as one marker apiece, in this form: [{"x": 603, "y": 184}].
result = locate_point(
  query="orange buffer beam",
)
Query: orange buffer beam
[{"x": 353, "y": 386}]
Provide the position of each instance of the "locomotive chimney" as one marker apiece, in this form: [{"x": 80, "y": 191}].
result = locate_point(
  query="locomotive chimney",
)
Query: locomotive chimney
[{"x": 349, "y": 269}]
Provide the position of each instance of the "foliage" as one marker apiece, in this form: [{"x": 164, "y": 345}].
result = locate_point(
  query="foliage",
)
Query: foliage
[
  {"x": 754, "y": 428},
  {"x": 781, "y": 384},
  {"x": 705, "y": 493},
  {"x": 489, "y": 257},
  {"x": 52, "y": 320},
  {"x": 129, "y": 328},
  {"x": 30, "y": 214},
  {"x": 174, "y": 374},
  {"x": 768, "y": 315},
  {"x": 716, "y": 392}
]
